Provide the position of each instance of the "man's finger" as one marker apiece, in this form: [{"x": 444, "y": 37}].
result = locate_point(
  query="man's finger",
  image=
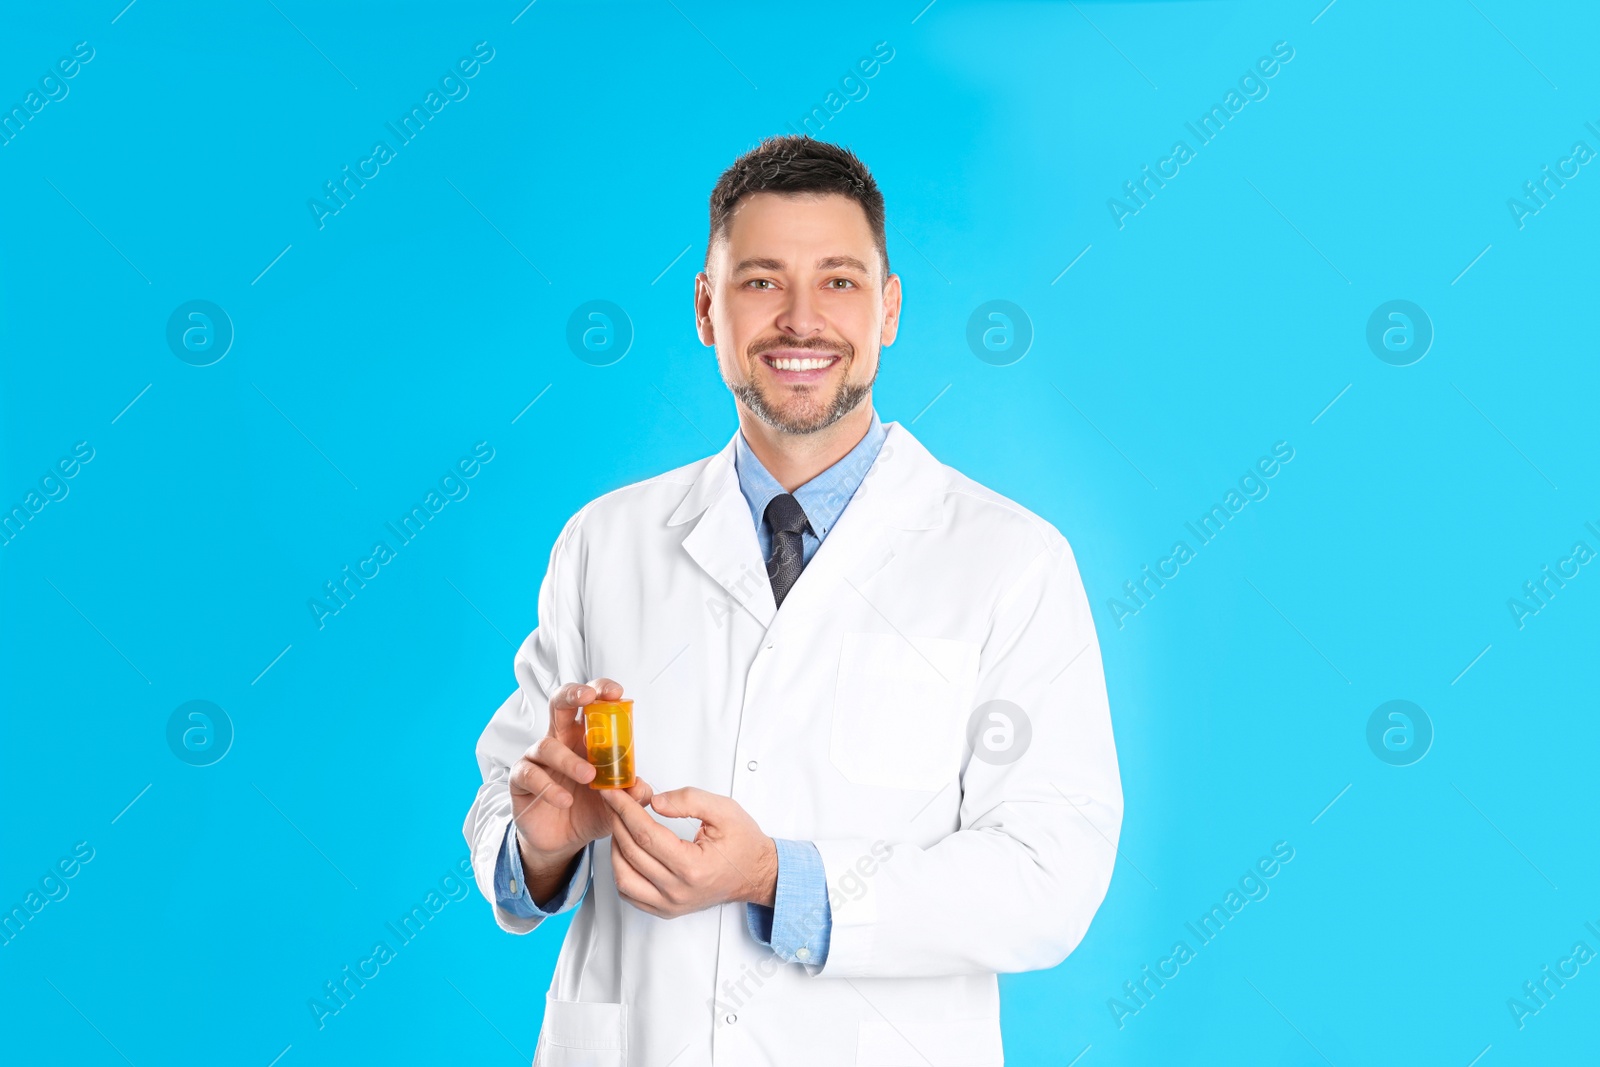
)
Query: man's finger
[
  {"x": 569, "y": 697},
  {"x": 564, "y": 707},
  {"x": 566, "y": 715},
  {"x": 662, "y": 844},
  {"x": 634, "y": 887},
  {"x": 575, "y": 695},
  {"x": 646, "y": 865},
  {"x": 565, "y": 703},
  {"x": 689, "y": 803},
  {"x": 529, "y": 779},
  {"x": 553, "y": 753}
]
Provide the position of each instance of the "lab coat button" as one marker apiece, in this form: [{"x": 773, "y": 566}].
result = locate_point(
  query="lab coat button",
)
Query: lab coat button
[
  {"x": 751, "y": 765},
  {"x": 733, "y": 1019}
]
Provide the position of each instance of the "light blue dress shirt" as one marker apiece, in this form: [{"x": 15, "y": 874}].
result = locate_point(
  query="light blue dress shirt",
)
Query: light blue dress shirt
[{"x": 798, "y": 926}]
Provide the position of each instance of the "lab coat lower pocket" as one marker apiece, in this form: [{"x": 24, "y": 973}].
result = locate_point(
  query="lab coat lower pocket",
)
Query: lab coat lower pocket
[
  {"x": 582, "y": 1034},
  {"x": 900, "y": 707}
]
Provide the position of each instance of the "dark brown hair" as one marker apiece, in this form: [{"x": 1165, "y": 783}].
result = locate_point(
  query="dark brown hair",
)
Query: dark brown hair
[{"x": 796, "y": 165}]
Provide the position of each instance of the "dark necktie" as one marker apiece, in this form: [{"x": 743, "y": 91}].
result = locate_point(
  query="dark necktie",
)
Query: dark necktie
[{"x": 786, "y": 519}]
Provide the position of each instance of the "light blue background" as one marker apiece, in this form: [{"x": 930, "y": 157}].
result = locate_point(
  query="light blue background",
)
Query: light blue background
[{"x": 1224, "y": 317}]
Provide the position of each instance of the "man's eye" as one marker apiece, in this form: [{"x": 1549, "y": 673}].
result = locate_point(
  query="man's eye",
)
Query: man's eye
[
  {"x": 759, "y": 281},
  {"x": 843, "y": 282}
]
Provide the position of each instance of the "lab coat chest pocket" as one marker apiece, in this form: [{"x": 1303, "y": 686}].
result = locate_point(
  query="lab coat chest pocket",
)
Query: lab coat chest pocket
[
  {"x": 582, "y": 1034},
  {"x": 899, "y": 709}
]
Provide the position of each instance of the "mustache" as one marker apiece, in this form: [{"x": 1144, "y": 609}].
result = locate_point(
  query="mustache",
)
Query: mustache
[{"x": 815, "y": 344}]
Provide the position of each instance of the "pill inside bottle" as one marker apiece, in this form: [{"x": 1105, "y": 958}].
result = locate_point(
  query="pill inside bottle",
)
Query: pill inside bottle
[{"x": 608, "y": 736}]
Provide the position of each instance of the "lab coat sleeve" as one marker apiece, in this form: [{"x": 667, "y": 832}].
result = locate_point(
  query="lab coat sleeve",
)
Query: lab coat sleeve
[
  {"x": 550, "y": 657},
  {"x": 1014, "y": 885}
]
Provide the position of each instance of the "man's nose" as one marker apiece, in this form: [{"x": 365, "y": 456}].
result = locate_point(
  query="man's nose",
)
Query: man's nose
[{"x": 801, "y": 315}]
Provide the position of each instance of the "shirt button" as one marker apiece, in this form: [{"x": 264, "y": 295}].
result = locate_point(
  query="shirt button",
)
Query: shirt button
[
  {"x": 751, "y": 765},
  {"x": 732, "y": 1019},
  {"x": 513, "y": 885},
  {"x": 802, "y": 953}
]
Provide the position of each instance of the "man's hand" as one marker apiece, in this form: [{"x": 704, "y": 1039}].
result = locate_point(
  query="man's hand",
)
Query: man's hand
[
  {"x": 729, "y": 860},
  {"x": 556, "y": 812}
]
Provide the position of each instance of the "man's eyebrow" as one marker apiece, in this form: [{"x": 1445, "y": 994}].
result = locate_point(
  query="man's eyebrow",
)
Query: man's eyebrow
[
  {"x": 758, "y": 263},
  {"x": 835, "y": 262},
  {"x": 827, "y": 263}
]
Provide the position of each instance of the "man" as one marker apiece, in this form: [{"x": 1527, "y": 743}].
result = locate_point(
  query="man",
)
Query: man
[{"x": 872, "y": 684}]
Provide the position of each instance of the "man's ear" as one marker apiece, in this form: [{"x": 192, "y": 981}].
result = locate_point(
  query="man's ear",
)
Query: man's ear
[
  {"x": 702, "y": 309},
  {"x": 891, "y": 311}
]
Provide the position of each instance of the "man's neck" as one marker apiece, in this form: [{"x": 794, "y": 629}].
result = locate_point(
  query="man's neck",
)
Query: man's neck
[{"x": 795, "y": 459}]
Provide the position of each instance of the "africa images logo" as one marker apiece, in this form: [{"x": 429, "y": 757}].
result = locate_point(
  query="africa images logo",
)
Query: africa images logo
[{"x": 1207, "y": 128}]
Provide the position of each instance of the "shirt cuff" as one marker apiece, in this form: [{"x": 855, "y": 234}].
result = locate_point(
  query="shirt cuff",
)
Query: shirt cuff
[
  {"x": 797, "y": 926},
  {"x": 511, "y": 892}
]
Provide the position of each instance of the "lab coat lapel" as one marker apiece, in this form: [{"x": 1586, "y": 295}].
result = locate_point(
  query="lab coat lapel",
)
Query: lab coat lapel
[
  {"x": 723, "y": 541},
  {"x": 901, "y": 491}
]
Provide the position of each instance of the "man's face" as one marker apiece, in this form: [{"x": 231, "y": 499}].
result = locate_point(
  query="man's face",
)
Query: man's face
[{"x": 796, "y": 304}]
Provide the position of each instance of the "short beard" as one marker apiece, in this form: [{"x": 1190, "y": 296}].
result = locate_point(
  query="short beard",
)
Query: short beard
[{"x": 846, "y": 400}]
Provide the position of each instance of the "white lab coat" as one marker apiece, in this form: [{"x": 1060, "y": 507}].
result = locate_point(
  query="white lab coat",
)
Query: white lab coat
[{"x": 841, "y": 719}]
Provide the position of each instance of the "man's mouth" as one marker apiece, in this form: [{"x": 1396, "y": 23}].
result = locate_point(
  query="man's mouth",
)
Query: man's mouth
[{"x": 799, "y": 365}]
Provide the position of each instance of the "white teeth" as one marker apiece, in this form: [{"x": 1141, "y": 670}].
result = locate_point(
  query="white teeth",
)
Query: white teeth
[{"x": 801, "y": 364}]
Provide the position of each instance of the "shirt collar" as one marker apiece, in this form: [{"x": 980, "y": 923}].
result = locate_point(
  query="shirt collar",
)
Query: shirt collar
[{"x": 824, "y": 497}]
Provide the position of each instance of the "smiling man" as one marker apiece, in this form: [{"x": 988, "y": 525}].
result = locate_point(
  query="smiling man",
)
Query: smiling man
[{"x": 872, "y": 685}]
